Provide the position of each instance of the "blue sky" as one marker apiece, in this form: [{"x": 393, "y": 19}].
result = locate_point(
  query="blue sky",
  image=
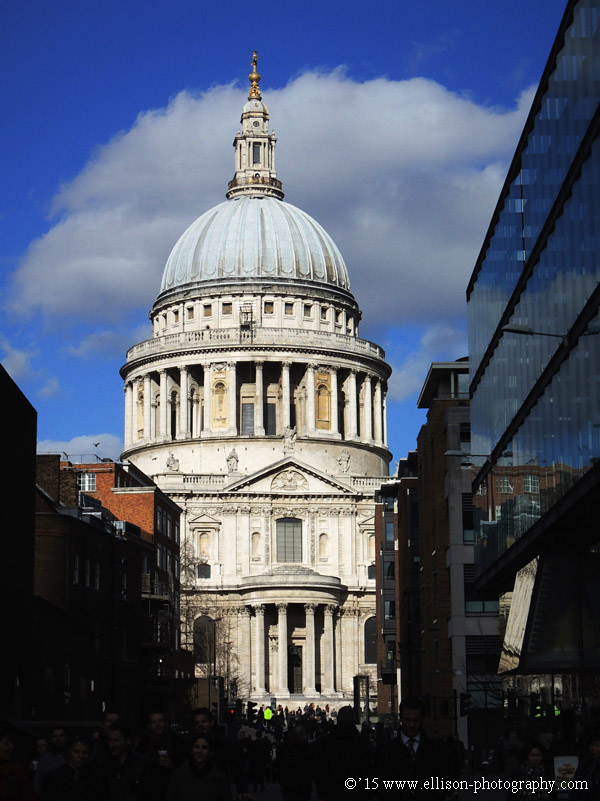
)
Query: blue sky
[{"x": 396, "y": 122}]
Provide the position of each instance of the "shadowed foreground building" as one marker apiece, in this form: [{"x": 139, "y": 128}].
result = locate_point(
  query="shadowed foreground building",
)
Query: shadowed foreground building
[
  {"x": 258, "y": 409},
  {"x": 534, "y": 318}
]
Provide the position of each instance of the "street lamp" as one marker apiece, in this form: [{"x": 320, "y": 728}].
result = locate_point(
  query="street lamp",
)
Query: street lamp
[{"x": 527, "y": 331}]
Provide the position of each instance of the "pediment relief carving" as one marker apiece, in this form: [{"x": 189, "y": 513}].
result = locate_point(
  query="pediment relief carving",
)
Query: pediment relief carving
[{"x": 289, "y": 481}]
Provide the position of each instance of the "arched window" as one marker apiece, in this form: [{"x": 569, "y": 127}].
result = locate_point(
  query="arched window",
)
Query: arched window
[
  {"x": 219, "y": 394},
  {"x": 140, "y": 414},
  {"x": 370, "y": 632},
  {"x": 323, "y": 405},
  {"x": 204, "y": 640},
  {"x": 203, "y": 544},
  {"x": 156, "y": 415},
  {"x": 289, "y": 540}
]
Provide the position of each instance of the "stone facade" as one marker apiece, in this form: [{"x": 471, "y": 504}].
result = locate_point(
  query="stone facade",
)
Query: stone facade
[{"x": 258, "y": 410}]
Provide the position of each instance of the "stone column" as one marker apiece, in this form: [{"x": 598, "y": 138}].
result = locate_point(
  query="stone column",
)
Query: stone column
[
  {"x": 245, "y": 639},
  {"x": 334, "y": 402},
  {"x": 378, "y": 413},
  {"x": 352, "y": 432},
  {"x": 232, "y": 428},
  {"x": 259, "y": 402},
  {"x": 367, "y": 409},
  {"x": 283, "y": 689},
  {"x": 184, "y": 428},
  {"x": 259, "y": 650},
  {"x": 196, "y": 407},
  {"x": 308, "y": 658},
  {"x": 328, "y": 651},
  {"x": 128, "y": 427},
  {"x": 207, "y": 399},
  {"x": 285, "y": 394},
  {"x": 164, "y": 404},
  {"x": 339, "y": 683},
  {"x": 310, "y": 399},
  {"x": 385, "y": 440},
  {"x": 147, "y": 406}
]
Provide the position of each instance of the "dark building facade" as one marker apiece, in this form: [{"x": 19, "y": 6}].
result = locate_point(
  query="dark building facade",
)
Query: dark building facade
[
  {"x": 397, "y": 582},
  {"x": 16, "y": 551},
  {"x": 534, "y": 351},
  {"x": 459, "y": 631},
  {"x": 131, "y": 496}
]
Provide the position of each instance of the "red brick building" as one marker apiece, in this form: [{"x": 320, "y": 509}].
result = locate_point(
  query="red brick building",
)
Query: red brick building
[{"x": 132, "y": 496}]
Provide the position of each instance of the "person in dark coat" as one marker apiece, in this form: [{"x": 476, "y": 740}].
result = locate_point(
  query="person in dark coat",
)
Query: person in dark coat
[
  {"x": 198, "y": 779},
  {"x": 339, "y": 755},
  {"x": 15, "y": 784},
  {"x": 74, "y": 781},
  {"x": 127, "y": 773},
  {"x": 53, "y": 758},
  {"x": 412, "y": 756},
  {"x": 532, "y": 769},
  {"x": 293, "y": 766},
  {"x": 164, "y": 751},
  {"x": 588, "y": 770}
]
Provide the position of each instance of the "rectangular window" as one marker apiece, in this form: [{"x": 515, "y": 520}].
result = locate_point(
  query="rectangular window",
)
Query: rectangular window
[
  {"x": 531, "y": 483},
  {"x": 389, "y": 532},
  {"x": 227, "y": 308},
  {"x": 504, "y": 485},
  {"x": 190, "y": 312},
  {"x": 288, "y": 309},
  {"x": 307, "y": 310},
  {"x": 289, "y": 540},
  {"x": 389, "y": 570},
  {"x": 247, "y": 418},
  {"x": 389, "y": 610},
  {"x": 256, "y": 153},
  {"x": 270, "y": 419},
  {"x": 86, "y": 482},
  {"x": 269, "y": 307},
  {"x": 324, "y": 311},
  {"x": 208, "y": 309},
  {"x": 175, "y": 317}
]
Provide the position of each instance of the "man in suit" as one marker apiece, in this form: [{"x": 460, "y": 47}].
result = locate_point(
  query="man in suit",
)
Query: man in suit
[{"x": 412, "y": 757}]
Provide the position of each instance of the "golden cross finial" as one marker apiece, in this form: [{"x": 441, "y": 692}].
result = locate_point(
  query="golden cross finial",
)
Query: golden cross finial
[{"x": 254, "y": 79}]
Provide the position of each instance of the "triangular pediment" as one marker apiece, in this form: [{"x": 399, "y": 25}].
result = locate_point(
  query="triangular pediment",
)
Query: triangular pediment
[
  {"x": 205, "y": 520},
  {"x": 290, "y": 477}
]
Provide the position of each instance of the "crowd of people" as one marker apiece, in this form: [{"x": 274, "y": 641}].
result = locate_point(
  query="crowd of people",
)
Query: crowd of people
[{"x": 310, "y": 752}]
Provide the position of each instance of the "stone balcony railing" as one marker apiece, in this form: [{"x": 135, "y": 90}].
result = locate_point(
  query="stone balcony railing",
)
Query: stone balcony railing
[
  {"x": 290, "y": 337},
  {"x": 217, "y": 481}
]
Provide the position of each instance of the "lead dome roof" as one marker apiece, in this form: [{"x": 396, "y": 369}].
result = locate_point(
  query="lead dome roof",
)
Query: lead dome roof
[{"x": 255, "y": 237}]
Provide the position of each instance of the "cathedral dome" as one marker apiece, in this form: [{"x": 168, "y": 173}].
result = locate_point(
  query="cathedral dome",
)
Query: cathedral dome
[{"x": 255, "y": 237}]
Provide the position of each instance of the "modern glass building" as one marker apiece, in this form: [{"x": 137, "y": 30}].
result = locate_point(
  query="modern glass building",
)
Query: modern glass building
[{"x": 534, "y": 352}]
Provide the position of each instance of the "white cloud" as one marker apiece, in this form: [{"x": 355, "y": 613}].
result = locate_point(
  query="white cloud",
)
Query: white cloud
[
  {"x": 17, "y": 362},
  {"x": 438, "y": 343},
  {"x": 50, "y": 389},
  {"x": 109, "y": 343},
  {"x": 404, "y": 175},
  {"x": 84, "y": 448}
]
